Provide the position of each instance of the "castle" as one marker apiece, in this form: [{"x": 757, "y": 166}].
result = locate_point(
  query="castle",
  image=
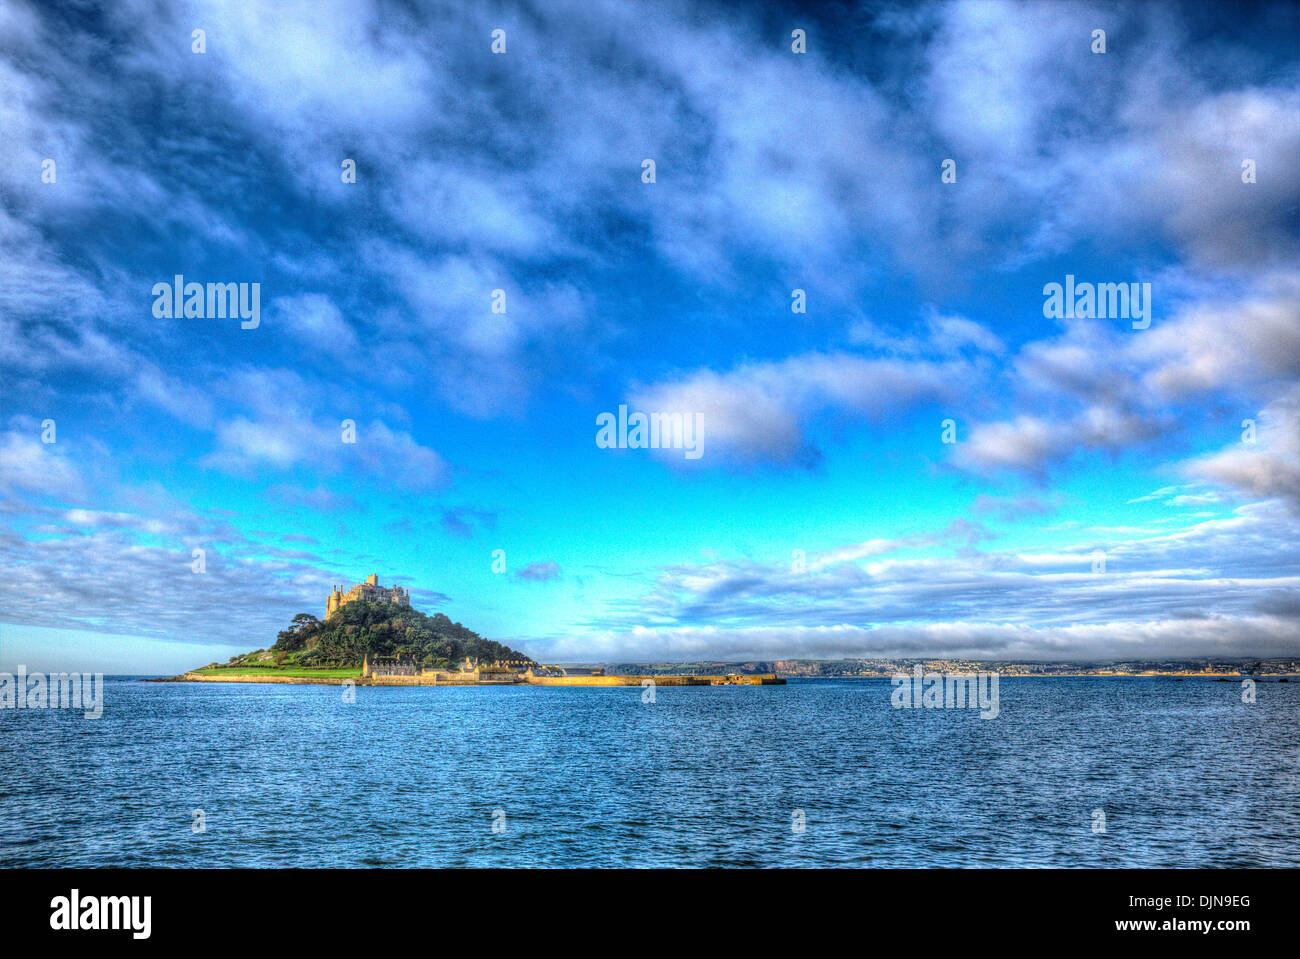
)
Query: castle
[{"x": 370, "y": 591}]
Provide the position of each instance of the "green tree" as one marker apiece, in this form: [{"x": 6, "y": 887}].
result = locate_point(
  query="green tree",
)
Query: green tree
[
  {"x": 384, "y": 629},
  {"x": 303, "y": 627}
]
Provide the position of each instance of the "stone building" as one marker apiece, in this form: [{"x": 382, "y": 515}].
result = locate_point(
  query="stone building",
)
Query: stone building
[
  {"x": 372, "y": 666},
  {"x": 370, "y": 591}
]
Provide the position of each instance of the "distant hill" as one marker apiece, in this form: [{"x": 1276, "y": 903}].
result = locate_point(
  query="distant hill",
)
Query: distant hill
[{"x": 380, "y": 629}]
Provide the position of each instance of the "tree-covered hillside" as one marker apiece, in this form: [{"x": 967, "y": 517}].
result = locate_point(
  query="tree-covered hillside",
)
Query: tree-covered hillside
[{"x": 383, "y": 629}]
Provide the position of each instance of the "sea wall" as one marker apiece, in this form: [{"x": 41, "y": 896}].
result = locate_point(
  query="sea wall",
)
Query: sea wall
[
  {"x": 764, "y": 679},
  {"x": 257, "y": 678}
]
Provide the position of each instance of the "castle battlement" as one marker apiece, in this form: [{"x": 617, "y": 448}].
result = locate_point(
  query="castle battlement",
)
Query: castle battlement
[{"x": 370, "y": 591}]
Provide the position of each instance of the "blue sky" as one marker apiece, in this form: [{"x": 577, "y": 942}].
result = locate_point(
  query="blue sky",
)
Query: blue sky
[{"x": 826, "y": 516}]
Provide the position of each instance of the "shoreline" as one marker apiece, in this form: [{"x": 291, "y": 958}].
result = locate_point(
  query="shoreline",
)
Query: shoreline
[{"x": 752, "y": 679}]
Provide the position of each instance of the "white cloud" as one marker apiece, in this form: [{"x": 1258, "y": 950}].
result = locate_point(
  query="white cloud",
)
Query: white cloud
[
  {"x": 1271, "y": 465},
  {"x": 759, "y": 410},
  {"x": 316, "y": 321},
  {"x": 1025, "y": 443},
  {"x": 42, "y": 468},
  {"x": 1234, "y": 344},
  {"x": 1091, "y": 388},
  {"x": 290, "y": 423},
  {"x": 1217, "y": 637},
  {"x": 1190, "y": 591}
]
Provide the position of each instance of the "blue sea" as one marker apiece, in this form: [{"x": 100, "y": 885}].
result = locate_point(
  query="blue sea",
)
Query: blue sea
[{"x": 1185, "y": 773}]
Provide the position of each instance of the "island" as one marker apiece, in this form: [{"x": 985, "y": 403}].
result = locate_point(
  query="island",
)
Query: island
[{"x": 371, "y": 635}]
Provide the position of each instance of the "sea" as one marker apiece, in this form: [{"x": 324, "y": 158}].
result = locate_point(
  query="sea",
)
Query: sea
[{"x": 1072, "y": 772}]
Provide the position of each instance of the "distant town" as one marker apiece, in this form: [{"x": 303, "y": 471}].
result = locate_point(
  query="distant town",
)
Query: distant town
[{"x": 884, "y": 668}]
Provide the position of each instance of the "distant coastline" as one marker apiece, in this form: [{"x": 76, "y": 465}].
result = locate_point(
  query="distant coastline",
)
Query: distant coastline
[
  {"x": 1272, "y": 666},
  {"x": 750, "y": 673},
  {"x": 474, "y": 677}
]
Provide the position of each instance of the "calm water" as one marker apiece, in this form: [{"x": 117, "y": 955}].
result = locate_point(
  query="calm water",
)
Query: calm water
[{"x": 292, "y": 776}]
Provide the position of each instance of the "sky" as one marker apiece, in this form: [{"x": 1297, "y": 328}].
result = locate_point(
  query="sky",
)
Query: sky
[{"x": 921, "y": 463}]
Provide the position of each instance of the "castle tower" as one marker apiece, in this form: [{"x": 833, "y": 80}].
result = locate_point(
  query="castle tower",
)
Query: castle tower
[{"x": 369, "y": 591}]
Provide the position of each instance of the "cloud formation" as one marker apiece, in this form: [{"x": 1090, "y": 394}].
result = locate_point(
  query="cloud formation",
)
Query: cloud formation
[
  {"x": 499, "y": 268},
  {"x": 1184, "y": 592}
]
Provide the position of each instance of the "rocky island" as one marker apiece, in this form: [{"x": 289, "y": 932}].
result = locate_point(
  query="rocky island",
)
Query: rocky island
[{"x": 373, "y": 636}]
